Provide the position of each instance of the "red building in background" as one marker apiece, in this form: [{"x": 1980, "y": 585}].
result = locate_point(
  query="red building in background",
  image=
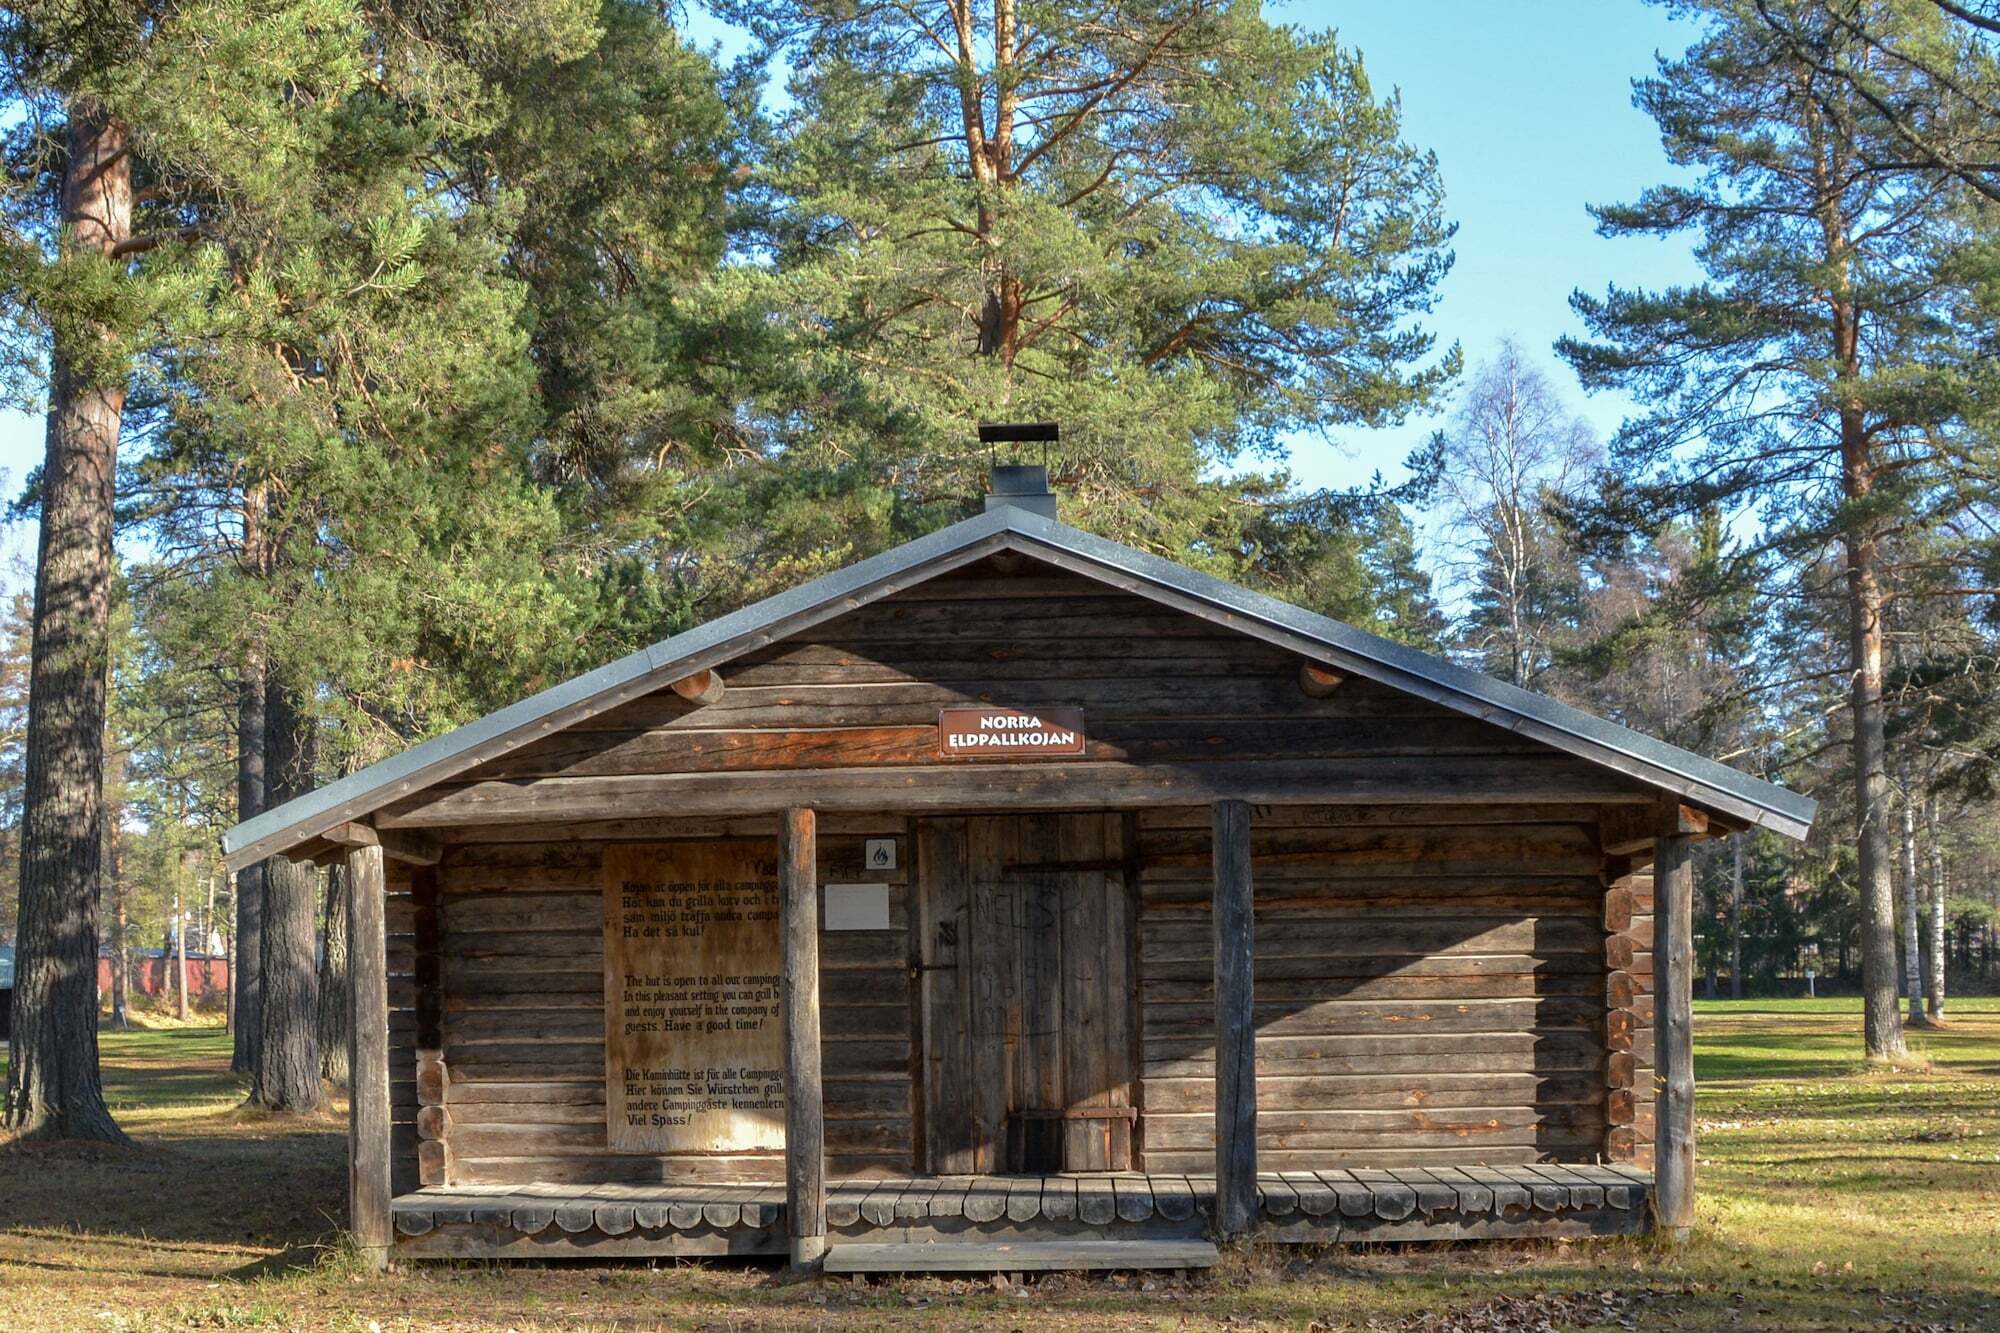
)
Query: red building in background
[{"x": 152, "y": 974}]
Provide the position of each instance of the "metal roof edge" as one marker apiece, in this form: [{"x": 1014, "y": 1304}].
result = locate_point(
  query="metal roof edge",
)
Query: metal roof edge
[
  {"x": 1790, "y": 812},
  {"x": 428, "y": 760}
]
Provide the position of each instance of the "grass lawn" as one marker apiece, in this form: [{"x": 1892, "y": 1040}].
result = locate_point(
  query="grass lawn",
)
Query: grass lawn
[{"x": 1832, "y": 1197}]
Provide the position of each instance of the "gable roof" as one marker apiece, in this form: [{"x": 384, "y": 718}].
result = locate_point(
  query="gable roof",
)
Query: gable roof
[{"x": 1011, "y": 528}]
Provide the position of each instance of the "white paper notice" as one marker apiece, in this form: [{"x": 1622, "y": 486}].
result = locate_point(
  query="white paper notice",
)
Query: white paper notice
[{"x": 857, "y": 907}]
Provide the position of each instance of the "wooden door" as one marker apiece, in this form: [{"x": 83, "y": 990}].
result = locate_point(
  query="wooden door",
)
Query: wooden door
[{"x": 1028, "y": 996}]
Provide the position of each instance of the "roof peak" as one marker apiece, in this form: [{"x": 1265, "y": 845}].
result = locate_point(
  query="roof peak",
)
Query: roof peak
[{"x": 1011, "y": 526}]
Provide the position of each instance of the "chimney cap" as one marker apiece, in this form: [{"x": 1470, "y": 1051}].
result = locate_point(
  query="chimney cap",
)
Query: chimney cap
[
  {"x": 1019, "y": 432},
  {"x": 1022, "y": 486}
]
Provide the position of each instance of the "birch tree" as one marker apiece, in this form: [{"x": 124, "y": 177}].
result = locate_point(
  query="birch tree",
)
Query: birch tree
[{"x": 1513, "y": 446}]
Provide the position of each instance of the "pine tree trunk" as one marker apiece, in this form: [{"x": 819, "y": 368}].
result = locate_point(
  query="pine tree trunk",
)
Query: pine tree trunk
[
  {"x": 114, "y": 874},
  {"x": 333, "y": 1013},
  {"x": 247, "y": 975},
  {"x": 121, "y": 953},
  {"x": 1913, "y": 967},
  {"x": 1882, "y": 1026},
  {"x": 1736, "y": 918},
  {"x": 287, "y": 1076},
  {"x": 53, "y": 1089}
]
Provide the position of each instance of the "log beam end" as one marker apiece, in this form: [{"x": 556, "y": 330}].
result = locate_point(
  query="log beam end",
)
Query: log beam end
[
  {"x": 702, "y": 687},
  {"x": 1317, "y": 682}
]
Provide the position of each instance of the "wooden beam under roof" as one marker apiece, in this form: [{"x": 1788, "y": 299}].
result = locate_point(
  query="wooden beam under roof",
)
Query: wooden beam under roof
[
  {"x": 396, "y": 844},
  {"x": 1028, "y": 786},
  {"x": 1630, "y": 830}
]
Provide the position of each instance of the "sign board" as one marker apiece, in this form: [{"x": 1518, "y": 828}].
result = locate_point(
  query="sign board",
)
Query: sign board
[
  {"x": 1000, "y": 732},
  {"x": 693, "y": 1042}
]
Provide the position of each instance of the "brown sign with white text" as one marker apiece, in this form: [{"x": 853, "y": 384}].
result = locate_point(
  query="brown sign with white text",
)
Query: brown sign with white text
[{"x": 1010, "y": 733}]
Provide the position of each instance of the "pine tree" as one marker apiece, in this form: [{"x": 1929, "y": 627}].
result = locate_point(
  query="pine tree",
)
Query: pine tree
[
  {"x": 400, "y": 386},
  {"x": 120, "y": 116},
  {"x": 52, "y": 1079},
  {"x": 1946, "y": 120},
  {"x": 1406, "y": 607},
  {"x": 1181, "y": 231},
  {"x": 1818, "y": 375}
]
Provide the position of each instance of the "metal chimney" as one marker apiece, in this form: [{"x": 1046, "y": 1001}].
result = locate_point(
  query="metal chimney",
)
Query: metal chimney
[
  {"x": 1024, "y": 486},
  {"x": 1021, "y": 485}
]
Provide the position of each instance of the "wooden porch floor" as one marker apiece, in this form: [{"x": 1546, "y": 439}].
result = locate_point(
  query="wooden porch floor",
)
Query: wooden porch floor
[{"x": 1393, "y": 1204}]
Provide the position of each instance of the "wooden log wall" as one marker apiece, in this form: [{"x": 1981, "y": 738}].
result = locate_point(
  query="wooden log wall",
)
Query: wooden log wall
[
  {"x": 1628, "y": 955},
  {"x": 399, "y": 915},
  {"x": 1431, "y": 984},
  {"x": 844, "y": 717},
  {"x": 523, "y": 1014},
  {"x": 1429, "y": 987}
]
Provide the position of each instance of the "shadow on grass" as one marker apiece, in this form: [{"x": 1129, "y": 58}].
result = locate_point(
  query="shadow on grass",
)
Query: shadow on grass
[
  {"x": 1906, "y": 1104},
  {"x": 1861, "y": 1173},
  {"x": 1747, "y": 1052},
  {"x": 258, "y": 1181},
  {"x": 205, "y": 1183},
  {"x": 291, "y": 1259}
]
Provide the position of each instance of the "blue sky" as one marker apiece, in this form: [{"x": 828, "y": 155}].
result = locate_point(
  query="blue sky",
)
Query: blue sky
[{"x": 1528, "y": 106}]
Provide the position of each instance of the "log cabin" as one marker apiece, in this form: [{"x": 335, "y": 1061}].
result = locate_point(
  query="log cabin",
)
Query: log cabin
[{"x": 1015, "y": 898}]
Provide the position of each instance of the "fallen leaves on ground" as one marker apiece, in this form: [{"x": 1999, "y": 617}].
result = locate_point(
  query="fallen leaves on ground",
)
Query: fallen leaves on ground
[{"x": 1540, "y": 1312}]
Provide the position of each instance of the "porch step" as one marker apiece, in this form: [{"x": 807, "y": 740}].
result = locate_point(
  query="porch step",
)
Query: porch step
[{"x": 1016, "y": 1256}]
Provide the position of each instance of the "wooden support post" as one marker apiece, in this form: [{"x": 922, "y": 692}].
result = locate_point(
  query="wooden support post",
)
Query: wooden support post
[
  {"x": 1673, "y": 1019},
  {"x": 368, "y": 1188},
  {"x": 805, "y": 1111},
  {"x": 1235, "y": 1030}
]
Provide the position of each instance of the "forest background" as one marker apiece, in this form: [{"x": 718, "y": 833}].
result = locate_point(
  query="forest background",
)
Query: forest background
[{"x": 457, "y": 351}]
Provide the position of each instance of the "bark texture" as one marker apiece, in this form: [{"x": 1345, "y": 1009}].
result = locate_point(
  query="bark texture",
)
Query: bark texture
[
  {"x": 287, "y": 1075},
  {"x": 335, "y": 1057},
  {"x": 248, "y": 973},
  {"x": 1882, "y": 1025},
  {"x": 52, "y": 1078},
  {"x": 121, "y": 942}
]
